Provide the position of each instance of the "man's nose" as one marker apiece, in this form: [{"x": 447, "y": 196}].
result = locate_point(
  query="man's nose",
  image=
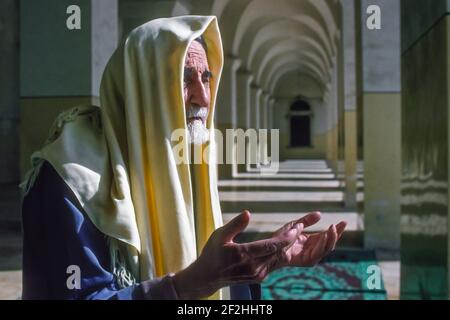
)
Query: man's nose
[{"x": 199, "y": 93}]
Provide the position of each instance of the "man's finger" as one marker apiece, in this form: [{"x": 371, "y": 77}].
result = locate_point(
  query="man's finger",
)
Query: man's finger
[
  {"x": 332, "y": 239},
  {"x": 340, "y": 229},
  {"x": 320, "y": 245},
  {"x": 238, "y": 224},
  {"x": 310, "y": 219},
  {"x": 270, "y": 246}
]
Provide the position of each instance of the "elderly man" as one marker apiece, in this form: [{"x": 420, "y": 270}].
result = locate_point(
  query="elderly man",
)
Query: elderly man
[{"x": 109, "y": 213}]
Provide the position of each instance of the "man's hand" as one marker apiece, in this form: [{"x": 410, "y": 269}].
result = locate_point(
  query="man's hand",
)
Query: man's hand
[
  {"x": 224, "y": 262},
  {"x": 310, "y": 249}
]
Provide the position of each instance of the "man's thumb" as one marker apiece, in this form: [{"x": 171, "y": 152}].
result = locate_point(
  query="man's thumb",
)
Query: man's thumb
[{"x": 238, "y": 224}]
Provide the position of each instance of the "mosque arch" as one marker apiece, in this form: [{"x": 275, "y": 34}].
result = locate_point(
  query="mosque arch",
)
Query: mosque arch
[
  {"x": 306, "y": 85},
  {"x": 298, "y": 27},
  {"x": 278, "y": 55},
  {"x": 305, "y": 60},
  {"x": 260, "y": 12},
  {"x": 283, "y": 40},
  {"x": 289, "y": 66}
]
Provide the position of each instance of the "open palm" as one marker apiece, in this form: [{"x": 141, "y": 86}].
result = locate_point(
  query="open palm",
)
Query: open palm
[{"x": 309, "y": 249}]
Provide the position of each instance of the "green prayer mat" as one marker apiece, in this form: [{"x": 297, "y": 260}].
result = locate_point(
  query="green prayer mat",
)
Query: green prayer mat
[{"x": 344, "y": 275}]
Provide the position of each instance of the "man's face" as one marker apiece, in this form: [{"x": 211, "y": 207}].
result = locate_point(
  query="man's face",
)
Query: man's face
[{"x": 196, "y": 92}]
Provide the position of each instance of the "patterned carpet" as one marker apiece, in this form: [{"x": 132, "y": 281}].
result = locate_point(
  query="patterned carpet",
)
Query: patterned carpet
[{"x": 344, "y": 275}]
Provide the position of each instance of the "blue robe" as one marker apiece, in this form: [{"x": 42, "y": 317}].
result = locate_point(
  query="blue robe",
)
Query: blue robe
[{"x": 58, "y": 234}]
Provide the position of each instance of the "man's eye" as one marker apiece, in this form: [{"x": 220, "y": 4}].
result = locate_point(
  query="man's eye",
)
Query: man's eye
[
  {"x": 206, "y": 76},
  {"x": 187, "y": 76},
  {"x": 205, "y": 79}
]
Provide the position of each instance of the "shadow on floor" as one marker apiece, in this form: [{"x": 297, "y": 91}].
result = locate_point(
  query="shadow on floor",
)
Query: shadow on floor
[{"x": 344, "y": 275}]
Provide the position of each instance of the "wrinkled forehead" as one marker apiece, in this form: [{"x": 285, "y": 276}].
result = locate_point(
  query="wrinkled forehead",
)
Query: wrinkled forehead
[{"x": 196, "y": 56}]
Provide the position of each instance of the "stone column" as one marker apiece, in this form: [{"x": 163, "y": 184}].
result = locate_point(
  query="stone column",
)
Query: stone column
[
  {"x": 264, "y": 147},
  {"x": 332, "y": 110},
  {"x": 263, "y": 110},
  {"x": 382, "y": 123},
  {"x": 425, "y": 258},
  {"x": 265, "y": 123},
  {"x": 244, "y": 81},
  {"x": 9, "y": 91},
  {"x": 350, "y": 128},
  {"x": 256, "y": 92},
  {"x": 60, "y": 67},
  {"x": 225, "y": 116},
  {"x": 271, "y": 122}
]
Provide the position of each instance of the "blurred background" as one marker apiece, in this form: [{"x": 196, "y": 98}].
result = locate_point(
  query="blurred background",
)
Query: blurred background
[{"x": 357, "y": 88}]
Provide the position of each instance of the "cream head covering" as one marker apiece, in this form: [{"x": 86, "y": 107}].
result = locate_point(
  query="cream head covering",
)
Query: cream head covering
[{"x": 119, "y": 159}]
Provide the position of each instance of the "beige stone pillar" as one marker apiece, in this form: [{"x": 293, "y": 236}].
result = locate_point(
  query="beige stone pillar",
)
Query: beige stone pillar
[
  {"x": 332, "y": 133},
  {"x": 425, "y": 125},
  {"x": 382, "y": 127},
  {"x": 9, "y": 92},
  {"x": 226, "y": 113},
  {"x": 60, "y": 67},
  {"x": 256, "y": 92},
  {"x": 350, "y": 113},
  {"x": 244, "y": 81}
]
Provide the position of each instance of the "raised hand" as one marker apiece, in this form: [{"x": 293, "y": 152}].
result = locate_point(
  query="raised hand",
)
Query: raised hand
[
  {"x": 310, "y": 249},
  {"x": 224, "y": 262}
]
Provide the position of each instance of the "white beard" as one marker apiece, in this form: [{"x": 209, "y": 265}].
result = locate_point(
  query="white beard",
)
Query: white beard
[{"x": 198, "y": 133}]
